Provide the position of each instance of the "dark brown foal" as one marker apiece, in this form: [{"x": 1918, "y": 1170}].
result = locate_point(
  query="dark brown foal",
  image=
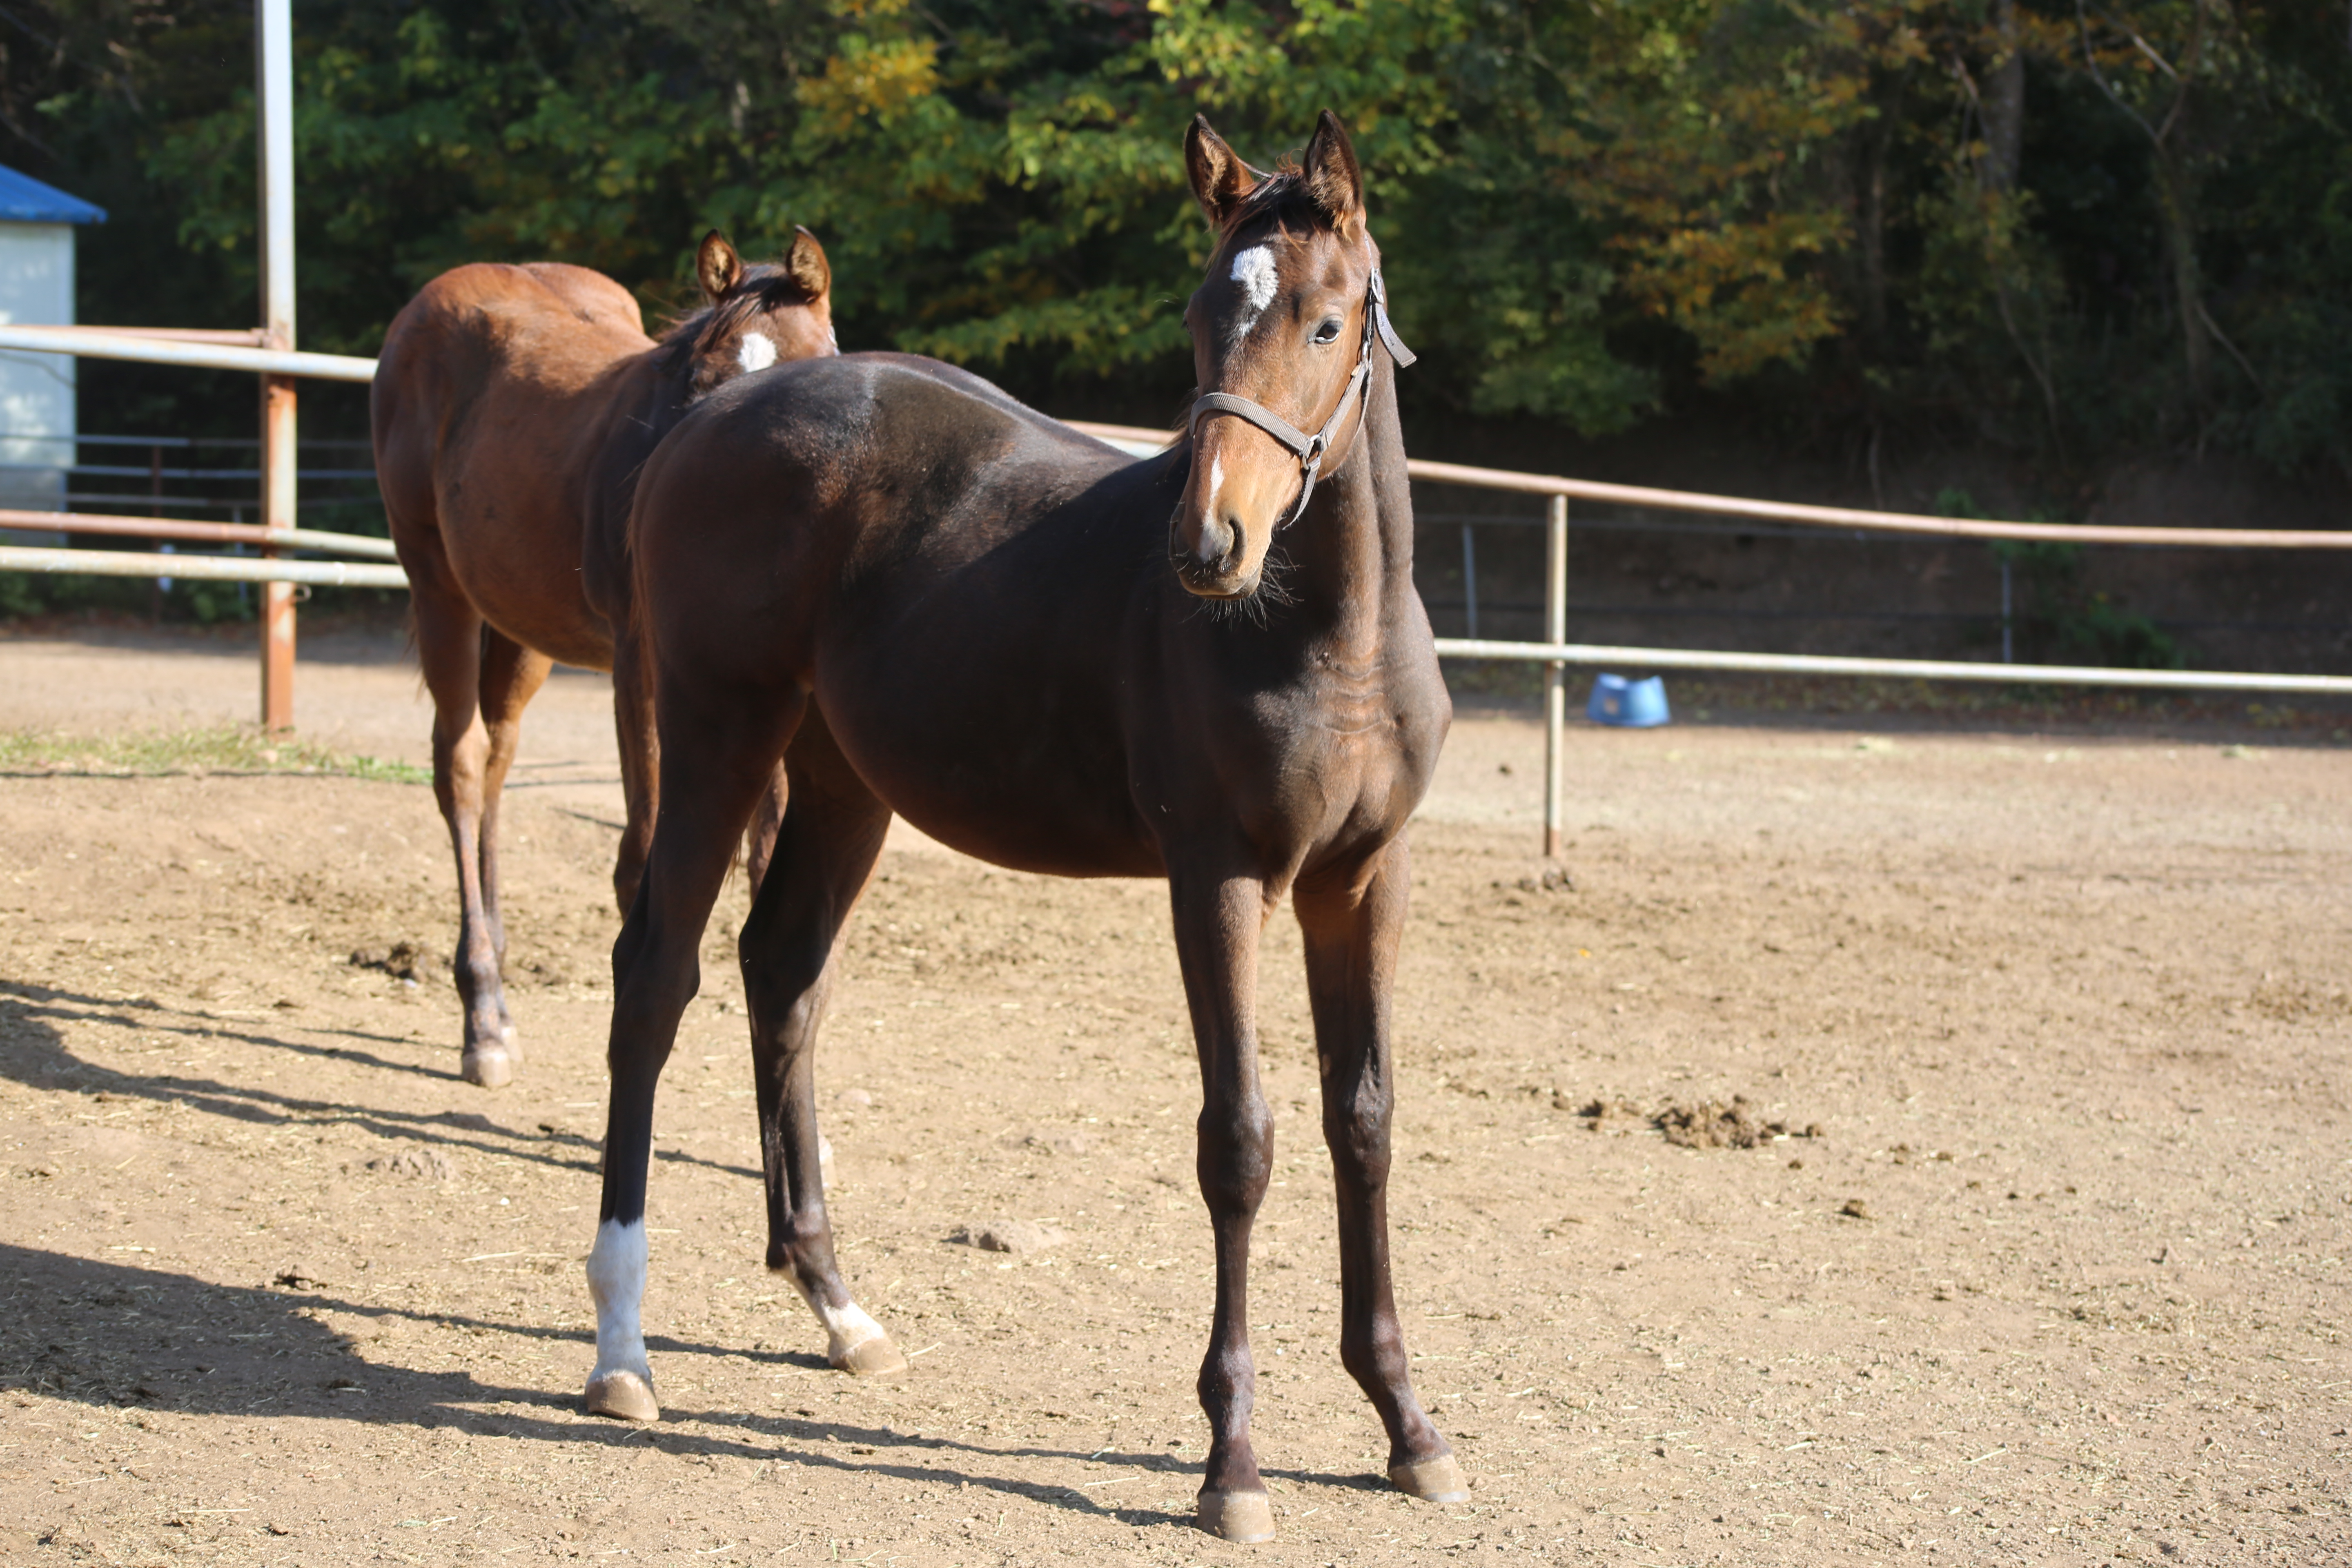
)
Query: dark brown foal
[
  {"x": 926, "y": 598},
  {"x": 513, "y": 407}
]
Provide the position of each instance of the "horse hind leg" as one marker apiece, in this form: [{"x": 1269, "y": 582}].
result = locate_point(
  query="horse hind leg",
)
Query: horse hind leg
[
  {"x": 715, "y": 771},
  {"x": 449, "y": 650},
  {"x": 759, "y": 842},
  {"x": 512, "y": 676},
  {"x": 640, "y": 751},
  {"x": 823, "y": 847},
  {"x": 1351, "y": 940}
]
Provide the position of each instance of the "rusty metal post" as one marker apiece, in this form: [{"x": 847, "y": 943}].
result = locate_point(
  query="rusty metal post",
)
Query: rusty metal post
[
  {"x": 273, "y": 39},
  {"x": 277, "y": 512},
  {"x": 1555, "y": 672}
]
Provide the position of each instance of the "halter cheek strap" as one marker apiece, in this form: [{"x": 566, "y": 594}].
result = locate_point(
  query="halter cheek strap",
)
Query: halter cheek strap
[{"x": 1310, "y": 449}]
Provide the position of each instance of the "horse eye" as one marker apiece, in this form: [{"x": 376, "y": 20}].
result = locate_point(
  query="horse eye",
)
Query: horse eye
[{"x": 1328, "y": 332}]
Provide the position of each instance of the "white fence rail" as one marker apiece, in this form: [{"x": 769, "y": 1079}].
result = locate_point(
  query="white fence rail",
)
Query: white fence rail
[
  {"x": 211, "y": 568},
  {"x": 1594, "y": 654},
  {"x": 222, "y": 351}
]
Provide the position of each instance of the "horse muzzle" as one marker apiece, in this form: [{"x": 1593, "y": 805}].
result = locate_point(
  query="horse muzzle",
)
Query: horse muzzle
[{"x": 1217, "y": 565}]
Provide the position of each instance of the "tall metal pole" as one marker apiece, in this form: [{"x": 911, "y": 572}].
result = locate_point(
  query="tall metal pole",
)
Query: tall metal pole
[
  {"x": 1554, "y": 673},
  {"x": 273, "y": 41},
  {"x": 1469, "y": 583}
]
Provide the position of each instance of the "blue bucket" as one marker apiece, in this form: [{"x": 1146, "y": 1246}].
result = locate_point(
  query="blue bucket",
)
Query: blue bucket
[{"x": 1629, "y": 704}]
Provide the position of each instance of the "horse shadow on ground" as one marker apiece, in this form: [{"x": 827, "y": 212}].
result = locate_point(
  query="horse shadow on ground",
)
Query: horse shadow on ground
[
  {"x": 115, "y": 1336},
  {"x": 33, "y": 1052}
]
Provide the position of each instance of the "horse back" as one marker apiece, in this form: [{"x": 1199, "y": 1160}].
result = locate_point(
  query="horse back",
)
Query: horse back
[
  {"x": 491, "y": 408},
  {"x": 808, "y": 483}
]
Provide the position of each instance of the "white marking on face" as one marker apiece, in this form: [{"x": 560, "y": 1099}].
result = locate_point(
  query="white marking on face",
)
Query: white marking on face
[
  {"x": 757, "y": 351},
  {"x": 616, "y": 1283},
  {"x": 845, "y": 1327},
  {"x": 1216, "y": 481},
  {"x": 1254, "y": 269}
]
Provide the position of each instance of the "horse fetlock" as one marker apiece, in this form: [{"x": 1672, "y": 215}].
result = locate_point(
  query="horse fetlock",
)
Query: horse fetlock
[
  {"x": 855, "y": 1342},
  {"x": 622, "y": 1381},
  {"x": 1375, "y": 1359}
]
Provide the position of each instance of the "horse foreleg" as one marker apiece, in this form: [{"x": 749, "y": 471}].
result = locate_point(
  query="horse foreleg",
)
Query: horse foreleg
[
  {"x": 449, "y": 648},
  {"x": 640, "y": 746},
  {"x": 716, "y": 775},
  {"x": 1219, "y": 920},
  {"x": 512, "y": 676},
  {"x": 1351, "y": 937},
  {"x": 824, "y": 849}
]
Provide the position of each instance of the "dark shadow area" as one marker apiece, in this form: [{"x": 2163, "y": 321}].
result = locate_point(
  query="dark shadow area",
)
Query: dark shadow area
[
  {"x": 113, "y": 1335},
  {"x": 33, "y": 1053}
]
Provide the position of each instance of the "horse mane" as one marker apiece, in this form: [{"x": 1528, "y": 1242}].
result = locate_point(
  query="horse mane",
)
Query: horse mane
[{"x": 763, "y": 286}]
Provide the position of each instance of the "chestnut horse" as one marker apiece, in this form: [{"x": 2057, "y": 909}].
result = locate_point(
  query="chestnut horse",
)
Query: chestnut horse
[
  {"x": 512, "y": 408},
  {"x": 927, "y": 598}
]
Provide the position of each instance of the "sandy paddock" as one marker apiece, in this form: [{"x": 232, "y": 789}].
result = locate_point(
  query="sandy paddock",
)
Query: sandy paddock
[{"x": 2060, "y": 1278}]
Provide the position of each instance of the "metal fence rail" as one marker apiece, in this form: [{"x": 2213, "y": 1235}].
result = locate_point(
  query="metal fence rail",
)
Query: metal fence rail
[
  {"x": 1555, "y": 653},
  {"x": 358, "y": 544},
  {"x": 1591, "y": 655},
  {"x": 212, "y": 568}
]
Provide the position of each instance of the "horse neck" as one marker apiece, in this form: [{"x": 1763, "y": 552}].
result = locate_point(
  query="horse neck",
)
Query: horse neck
[
  {"x": 1350, "y": 556},
  {"x": 657, "y": 385}
]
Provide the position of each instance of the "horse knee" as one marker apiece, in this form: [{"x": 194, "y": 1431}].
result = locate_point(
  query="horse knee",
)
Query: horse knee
[
  {"x": 1236, "y": 1153},
  {"x": 1359, "y": 1139}
]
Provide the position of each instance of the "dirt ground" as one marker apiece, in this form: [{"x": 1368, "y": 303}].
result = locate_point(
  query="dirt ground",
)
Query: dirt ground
[{"x": 2060, "y": 1278}]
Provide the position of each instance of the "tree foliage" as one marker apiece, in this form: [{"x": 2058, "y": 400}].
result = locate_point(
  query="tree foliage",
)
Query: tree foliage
[{"x": 2070, "y": 226}]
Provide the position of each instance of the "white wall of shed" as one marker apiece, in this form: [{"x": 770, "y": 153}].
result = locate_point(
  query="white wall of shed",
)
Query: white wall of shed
[{"x": 37, "y": 391}]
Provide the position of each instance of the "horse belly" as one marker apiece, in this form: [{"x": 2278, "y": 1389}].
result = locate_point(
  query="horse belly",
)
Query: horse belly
[
  {"x": 517, "y": 555},
  {"x": 1053, "y": 800}
]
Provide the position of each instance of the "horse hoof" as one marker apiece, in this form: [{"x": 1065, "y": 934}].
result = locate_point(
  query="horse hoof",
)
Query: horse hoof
[
  {"x": 1236, "y": 1516},
  {"x": 870, "y": 1358},
  {"x": 622, "y": 1393},
  {"x": 489, "y": 1067},
  {"x": 1432, "y": 1480}
]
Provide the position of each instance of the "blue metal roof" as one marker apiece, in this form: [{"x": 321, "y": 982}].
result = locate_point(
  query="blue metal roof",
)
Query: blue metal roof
[{"x": 23, "y": 199}]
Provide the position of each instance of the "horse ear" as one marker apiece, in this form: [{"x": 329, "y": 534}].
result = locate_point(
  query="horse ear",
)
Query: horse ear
[
  {"x": 1220, "y": 179},
  {"x": 1334, "y": 182},
  {"x": 717, "y": 267},
  {"x": 807, "y": 266}
]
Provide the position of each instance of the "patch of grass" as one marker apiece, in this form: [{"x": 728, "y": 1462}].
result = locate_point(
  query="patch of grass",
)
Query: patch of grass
[{"x": 230, "y": 749}]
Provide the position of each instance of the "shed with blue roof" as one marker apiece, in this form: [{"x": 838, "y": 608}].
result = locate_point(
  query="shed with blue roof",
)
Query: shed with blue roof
[{"x": 37, "y": 227}]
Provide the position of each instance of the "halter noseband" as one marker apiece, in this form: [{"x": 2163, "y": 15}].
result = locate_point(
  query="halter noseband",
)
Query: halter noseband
[{"x": 1309, "y": 450}]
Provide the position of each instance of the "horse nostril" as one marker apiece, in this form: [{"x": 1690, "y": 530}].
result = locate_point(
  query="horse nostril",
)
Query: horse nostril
[{"x": 1217, "y": 543}]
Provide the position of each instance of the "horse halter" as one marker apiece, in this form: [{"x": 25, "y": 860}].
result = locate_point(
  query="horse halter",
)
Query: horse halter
[{"x": 1309, "y": 450}]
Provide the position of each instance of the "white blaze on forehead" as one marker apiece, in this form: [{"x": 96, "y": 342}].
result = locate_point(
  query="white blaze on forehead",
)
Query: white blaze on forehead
[
  {"x": 757, "y": 351},
  {"x": 616, "y": 1283},
  {"x": 1254, "y": 269},
  {"x": 1216, "y": 478}
]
